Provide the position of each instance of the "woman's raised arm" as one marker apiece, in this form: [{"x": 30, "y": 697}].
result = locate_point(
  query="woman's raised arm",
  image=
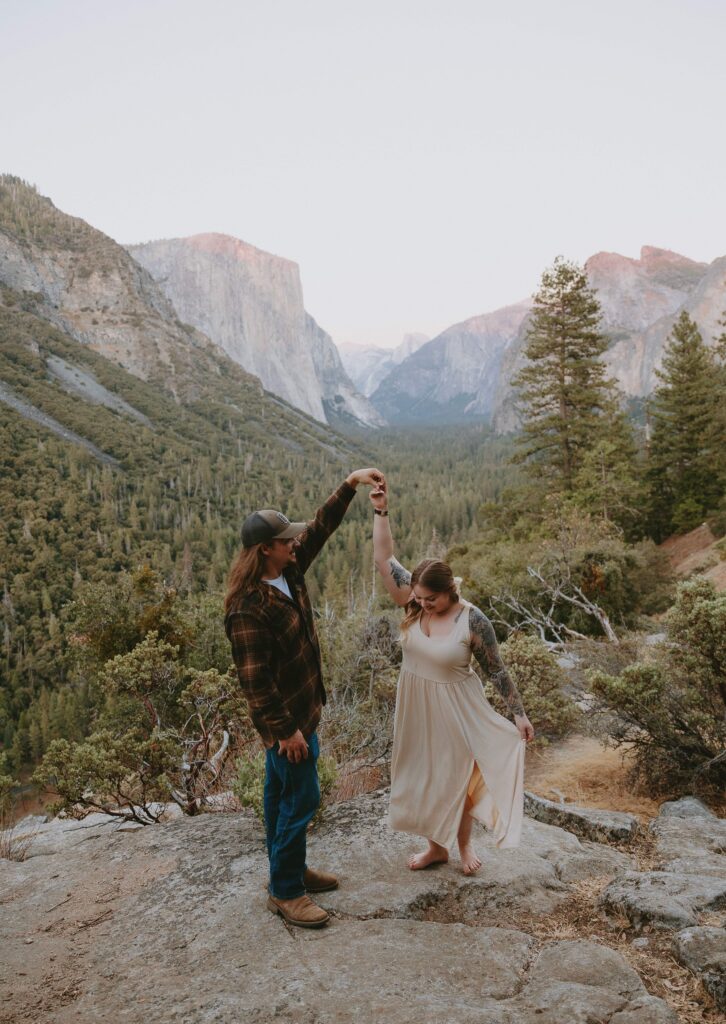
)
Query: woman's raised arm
[{"x": 396, "y": 579}]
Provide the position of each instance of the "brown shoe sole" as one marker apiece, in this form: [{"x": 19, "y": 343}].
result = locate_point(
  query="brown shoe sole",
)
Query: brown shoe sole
[{"x": 271, "y": 905}]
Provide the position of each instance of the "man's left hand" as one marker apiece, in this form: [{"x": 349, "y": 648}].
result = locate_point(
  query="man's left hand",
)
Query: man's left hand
[{"x": 371, "y": 477}]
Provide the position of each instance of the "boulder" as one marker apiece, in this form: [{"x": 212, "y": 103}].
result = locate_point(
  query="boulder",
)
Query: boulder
[
  {"x": 663, "y": 898},
  {"x": 580, "y": 982},
  {"x": 689, "y": 847},
  {"x": 586, "y": 822},
  {"x": 30, "y": 822},
  {"x": 692, "y": 845},
  {"x": 703, "y": 951},
  {"x": 686, "y": 807}
]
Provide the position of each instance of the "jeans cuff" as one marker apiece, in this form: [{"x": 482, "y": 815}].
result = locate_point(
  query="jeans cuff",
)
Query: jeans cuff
[{"x": 294, "y": 896}]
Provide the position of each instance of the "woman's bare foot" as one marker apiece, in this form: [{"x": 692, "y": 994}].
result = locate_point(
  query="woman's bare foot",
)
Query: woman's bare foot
[
  {"x": 470, "y": 863},
  {"x": 435, "y": 854}
]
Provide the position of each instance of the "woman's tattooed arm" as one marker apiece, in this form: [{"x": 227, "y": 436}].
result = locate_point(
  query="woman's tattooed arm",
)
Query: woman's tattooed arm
[
  {"x": 486, "y": 651},
  {"x": 400, "y": 576}
]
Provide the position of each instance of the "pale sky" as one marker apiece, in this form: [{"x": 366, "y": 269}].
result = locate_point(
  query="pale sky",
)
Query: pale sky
[{"x": 422, "y": 160}]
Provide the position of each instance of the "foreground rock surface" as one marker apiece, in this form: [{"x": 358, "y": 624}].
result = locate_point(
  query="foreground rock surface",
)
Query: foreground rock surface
[
  {"x": 703, "y": 951},
  {"x": 168, "y": 923},
  {"x": 690, "y": 845}
]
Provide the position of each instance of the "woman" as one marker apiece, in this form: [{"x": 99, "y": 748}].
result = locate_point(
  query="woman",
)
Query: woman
[{"x": 454, "y": 757}]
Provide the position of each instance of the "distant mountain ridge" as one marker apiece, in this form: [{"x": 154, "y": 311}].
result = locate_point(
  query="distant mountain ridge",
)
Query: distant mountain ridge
[
  {"x": 641, "y": 300},
  {"x": 453, "y": 376},
  {"x": 250, "y": 303},
  {"x": 466, "y": 371},
  {"x": 368, "y": 365},
  {"x": 87, "y": 285}
]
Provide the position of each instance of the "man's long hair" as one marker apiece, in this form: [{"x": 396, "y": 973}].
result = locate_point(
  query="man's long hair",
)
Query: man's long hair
[
  {"x": 436, "y": 576},
  {"x": 246, "y": 572}
]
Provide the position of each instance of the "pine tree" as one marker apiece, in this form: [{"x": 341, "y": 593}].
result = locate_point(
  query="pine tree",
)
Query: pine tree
[
  {"x": 686, "y": 464},
  {"x": 565, "y": 397},
  {"x": 608, "y": 483}
]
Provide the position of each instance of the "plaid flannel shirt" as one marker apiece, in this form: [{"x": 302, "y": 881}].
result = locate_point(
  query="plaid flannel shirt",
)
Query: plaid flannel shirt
[{"x": 274, "y": 644}]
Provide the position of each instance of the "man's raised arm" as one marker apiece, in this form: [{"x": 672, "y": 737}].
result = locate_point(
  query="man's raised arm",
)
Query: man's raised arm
[{"x": 330, "y": 515}]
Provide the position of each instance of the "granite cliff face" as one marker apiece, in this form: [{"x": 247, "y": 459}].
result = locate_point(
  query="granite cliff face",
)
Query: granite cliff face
[
  {"x": 456, "y": 374},
  {"x": 250, "y": 303},
  {"x": 88, "y": 286},
  {"x": 640, "y": 300},
  {"x": 467, "y": 370}
]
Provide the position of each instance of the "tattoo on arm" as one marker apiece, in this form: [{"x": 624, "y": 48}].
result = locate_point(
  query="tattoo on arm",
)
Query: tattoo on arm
[
  {"x": 400, "y": 576},
  {"x": 486, "y": 651}
]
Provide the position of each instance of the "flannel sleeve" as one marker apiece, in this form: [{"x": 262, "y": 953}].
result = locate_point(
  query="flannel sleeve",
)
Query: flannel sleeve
[
  {"x": 327, "y": 519},
  {"x": 252, "y": 644}
]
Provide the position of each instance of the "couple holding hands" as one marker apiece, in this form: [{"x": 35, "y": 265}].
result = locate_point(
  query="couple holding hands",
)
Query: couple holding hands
[{"x": 454, "y": 757}]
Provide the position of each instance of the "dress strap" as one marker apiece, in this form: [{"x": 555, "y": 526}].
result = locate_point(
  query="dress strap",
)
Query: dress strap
[{"x": 463, "y": 623}]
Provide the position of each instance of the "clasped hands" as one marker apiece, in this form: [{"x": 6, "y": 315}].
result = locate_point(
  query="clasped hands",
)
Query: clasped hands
[{"x": 372, "y": 477}]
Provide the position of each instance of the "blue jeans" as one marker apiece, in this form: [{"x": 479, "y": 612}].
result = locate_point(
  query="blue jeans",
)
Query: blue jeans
[{"x": 291, "y": 798}]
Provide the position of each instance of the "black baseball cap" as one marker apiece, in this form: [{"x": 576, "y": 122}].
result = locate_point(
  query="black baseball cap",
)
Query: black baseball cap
[{"x": 266, "y": 525}]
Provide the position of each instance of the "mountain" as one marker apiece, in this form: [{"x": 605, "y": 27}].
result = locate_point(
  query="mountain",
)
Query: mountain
[
  {"x": 368, "y": 365},
  {"x": 641, "y": 300},
  {"x": 250, "y": 303},
  {"x": 93, "y": 291},
  {"x": 466, "y": 370},
  {"x": 453, "y": 376},
  {"x": 128, "y": 439}
]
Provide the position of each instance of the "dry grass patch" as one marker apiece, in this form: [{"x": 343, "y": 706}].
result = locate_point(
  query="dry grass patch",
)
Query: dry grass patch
[
  {"x": 355, "y": 779},
  {"x": 581, "y": 917},
  {"x": 15, "y": 842},
  {"x": 587, "y": 773}
]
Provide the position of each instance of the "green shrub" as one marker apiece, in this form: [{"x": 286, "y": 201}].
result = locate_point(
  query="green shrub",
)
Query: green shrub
[
  {"x": 540, "y": 681},
  {"x": 672, "y": 710},
  {"x": 163, "y": 734},
  {"x": 249, "y": 783},
  {"x": 7, "y": 783},
  {"x": 573, "y": 552},
  {"x": 361, "y": 656}
]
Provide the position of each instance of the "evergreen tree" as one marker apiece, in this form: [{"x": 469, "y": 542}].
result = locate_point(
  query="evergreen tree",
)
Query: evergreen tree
[
  {"x": 686, "y": 464},
  {"x": 608, "y": 483},
  {"x": 565, "y": 398}
]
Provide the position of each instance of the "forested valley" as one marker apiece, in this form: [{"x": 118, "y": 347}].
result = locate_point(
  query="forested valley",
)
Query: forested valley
[{"x": 115, "y": 551}]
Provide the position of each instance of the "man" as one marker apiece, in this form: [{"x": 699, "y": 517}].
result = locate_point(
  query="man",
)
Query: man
[{"x": 269, "y": 622}]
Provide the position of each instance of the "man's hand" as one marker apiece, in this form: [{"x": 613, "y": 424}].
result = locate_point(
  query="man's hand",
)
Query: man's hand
[
  {"x": 294, "y": 747},
  {"x": 372, "y": 477}
]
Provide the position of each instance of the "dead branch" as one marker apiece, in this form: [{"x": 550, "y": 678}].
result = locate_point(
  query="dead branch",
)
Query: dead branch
[{"x": 559, "y": 592}]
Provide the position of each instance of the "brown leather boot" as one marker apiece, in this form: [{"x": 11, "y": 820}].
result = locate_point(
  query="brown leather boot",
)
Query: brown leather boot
[
  {"x": 319, "y": 881},
  {"x": 300, "y": 911}
]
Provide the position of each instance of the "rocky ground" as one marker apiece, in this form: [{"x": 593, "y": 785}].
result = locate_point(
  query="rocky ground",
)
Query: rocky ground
[{"x": 168, "y": 923}]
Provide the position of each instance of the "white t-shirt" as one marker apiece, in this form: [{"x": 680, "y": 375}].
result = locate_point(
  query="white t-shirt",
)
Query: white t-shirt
[{"x": 281, "y": 584}]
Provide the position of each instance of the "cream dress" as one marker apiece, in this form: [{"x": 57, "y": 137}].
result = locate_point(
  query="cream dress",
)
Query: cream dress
[{"x": 448, "y": 741}]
